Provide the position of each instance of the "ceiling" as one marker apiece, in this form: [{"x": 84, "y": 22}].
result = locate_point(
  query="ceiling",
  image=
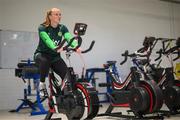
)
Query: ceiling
[{"x": 172, "y": 1}]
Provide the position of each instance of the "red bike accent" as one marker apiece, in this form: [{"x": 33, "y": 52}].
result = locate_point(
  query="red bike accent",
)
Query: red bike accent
[
  {"x": 85, "y": 93},
  {"x": 151, "y": 98}
]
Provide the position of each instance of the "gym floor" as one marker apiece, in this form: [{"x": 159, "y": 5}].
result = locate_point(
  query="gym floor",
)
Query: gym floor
[{"x": 25, "y": 115}]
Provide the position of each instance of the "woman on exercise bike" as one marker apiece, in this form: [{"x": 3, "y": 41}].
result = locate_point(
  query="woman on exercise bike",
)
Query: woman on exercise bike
[{"x": 47, "y": 55}]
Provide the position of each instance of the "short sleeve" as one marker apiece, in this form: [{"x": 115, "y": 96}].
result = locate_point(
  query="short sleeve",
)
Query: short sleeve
[
  {"x": 41, "y": 28},
  {"x": 64, "y": 29}
]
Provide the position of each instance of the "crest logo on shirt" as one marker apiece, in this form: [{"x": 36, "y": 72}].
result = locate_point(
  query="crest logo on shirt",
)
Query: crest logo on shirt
[{"x": 60, "y": 34}]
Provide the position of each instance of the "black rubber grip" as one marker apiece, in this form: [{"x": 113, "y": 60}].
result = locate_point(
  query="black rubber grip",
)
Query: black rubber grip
[
  {"x": 90, "y": 47},
  {"x": 104, "y": 85}
]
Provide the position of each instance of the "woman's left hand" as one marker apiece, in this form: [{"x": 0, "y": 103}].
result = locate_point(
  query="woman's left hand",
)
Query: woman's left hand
[{"x": 78, "y": 50}]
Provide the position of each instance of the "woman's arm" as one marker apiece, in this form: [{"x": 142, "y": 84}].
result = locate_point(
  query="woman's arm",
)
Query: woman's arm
[
  {"x": 68, "y": 37},
  {"x": 45, "y": 37},
  {"x": 47, "y": 40}
]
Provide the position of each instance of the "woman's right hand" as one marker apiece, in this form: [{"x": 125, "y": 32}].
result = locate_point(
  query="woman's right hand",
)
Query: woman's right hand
[{"x": 60, "y": 50}]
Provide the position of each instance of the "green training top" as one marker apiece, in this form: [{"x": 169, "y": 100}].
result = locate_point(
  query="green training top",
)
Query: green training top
[{"x": 50, "y": 38}]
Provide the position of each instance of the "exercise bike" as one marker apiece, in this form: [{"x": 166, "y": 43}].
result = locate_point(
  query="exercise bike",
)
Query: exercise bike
[
  {"x": 166, "y": 79},
  {"x": 164, "y": 76},
  {"x": 77, "y": 100},
  {"x": 141, "y": 96}
]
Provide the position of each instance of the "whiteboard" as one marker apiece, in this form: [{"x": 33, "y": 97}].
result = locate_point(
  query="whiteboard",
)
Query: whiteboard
[{"x": 16, "y": 46}]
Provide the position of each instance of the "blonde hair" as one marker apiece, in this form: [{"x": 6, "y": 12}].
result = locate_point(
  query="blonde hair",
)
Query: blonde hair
[{"x": 47, "y": 21}]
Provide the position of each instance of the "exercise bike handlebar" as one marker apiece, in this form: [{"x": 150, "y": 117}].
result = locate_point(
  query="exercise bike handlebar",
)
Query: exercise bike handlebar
[
  {"x": 90, "y": 47},
  {"x": 160, "y": 52},
  {"x": 79, "y": 39},
  {"x": 171, "y": 50},
  {"x": 125, "y": 54},
  {"x": 165, "y": 39},
  {"x": 135, "y": 54}
]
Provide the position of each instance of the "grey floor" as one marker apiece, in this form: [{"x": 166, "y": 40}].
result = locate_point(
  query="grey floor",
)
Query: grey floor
[{"x": 25, "y": 115}]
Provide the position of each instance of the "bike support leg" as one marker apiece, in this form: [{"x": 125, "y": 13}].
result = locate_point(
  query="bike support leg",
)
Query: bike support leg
[{"x": 49, "y": 115}]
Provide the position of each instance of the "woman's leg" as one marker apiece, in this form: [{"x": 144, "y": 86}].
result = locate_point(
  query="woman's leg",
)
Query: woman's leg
[
  {"x": 61, "y": 69},
  {"x": 43, "y": 64}
]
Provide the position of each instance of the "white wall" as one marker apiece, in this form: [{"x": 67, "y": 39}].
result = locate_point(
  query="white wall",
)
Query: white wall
[
  {"x": 1, "y": 16},
  {"x": 115, "y": 25}
]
